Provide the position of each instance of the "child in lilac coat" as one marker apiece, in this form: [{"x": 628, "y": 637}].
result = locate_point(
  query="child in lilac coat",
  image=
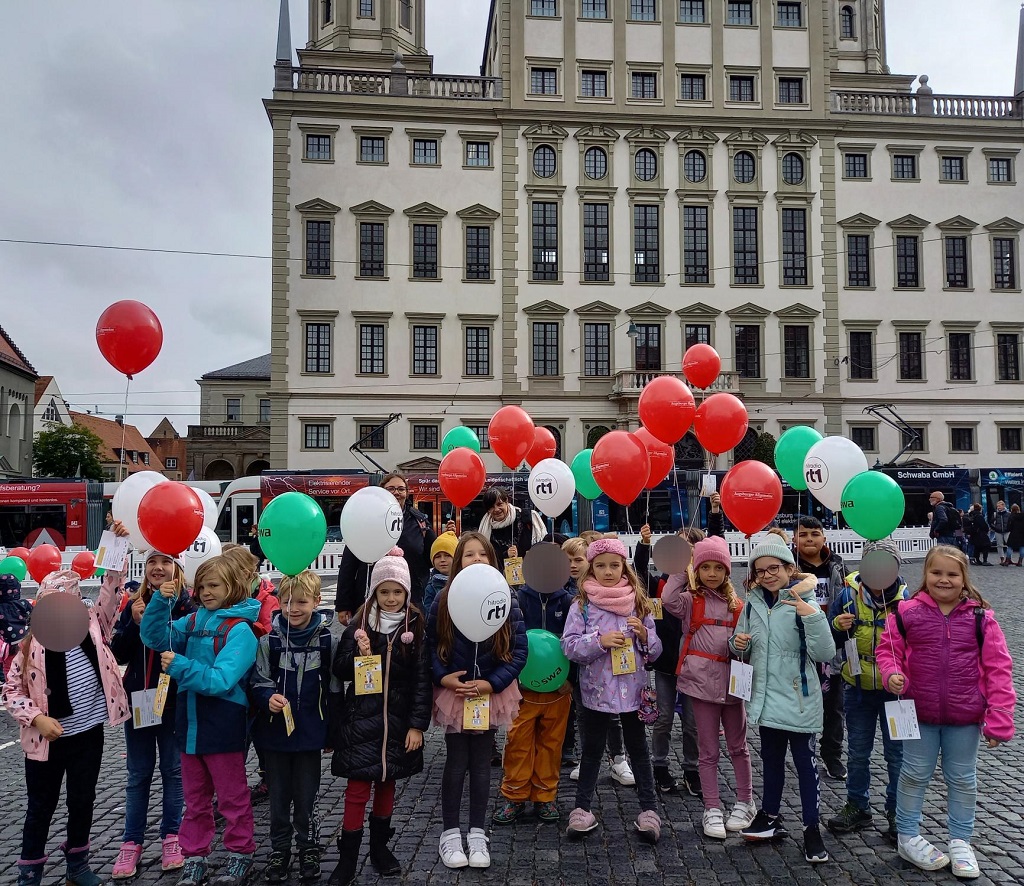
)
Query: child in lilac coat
[{"x": 610, "y": 633}]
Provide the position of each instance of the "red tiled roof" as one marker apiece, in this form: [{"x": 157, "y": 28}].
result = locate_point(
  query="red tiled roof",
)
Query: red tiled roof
[
  {"x": 110, "y": 433},
  {"x": 12, "y": 356},
  {"x": 42, "y": 383}
]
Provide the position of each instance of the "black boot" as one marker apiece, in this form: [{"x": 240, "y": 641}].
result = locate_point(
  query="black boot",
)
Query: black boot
[
  {"x": 382, "y": 859},
  {"x": 348, "y": 858},
  {"x": 79, "y": 873}
]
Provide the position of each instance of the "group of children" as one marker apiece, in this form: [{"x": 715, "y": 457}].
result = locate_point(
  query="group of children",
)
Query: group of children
[{"x": 369, "y": 695}]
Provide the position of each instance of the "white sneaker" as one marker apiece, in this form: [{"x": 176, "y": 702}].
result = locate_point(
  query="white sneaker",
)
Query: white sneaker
[
  {"x": 714, "y": 823},
  {"x": 622, "y": 772},
  {"x": 965, "y": 865},
  {"x": 479, "y": 855},
  {"x": 918, "y": 851},
  {"x": 450, "y": 849},
  {"x": 575, "y": 774},
  {"x": 741, "y": 816}
]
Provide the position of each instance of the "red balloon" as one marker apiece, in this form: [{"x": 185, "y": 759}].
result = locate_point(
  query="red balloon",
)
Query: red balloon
[
  {"x": 24, "y": 553},
  {"x": 170, "y": 517},
  {"x": 511, "y": 433},
  {"x": 701, "y": 365},
  {"x": 544, "y": 446},
  {"x": 84, "y": 563},
  {"x": 41, "y": 561},
  {"x": 621, "y": 466},
  {"x": 662, "y": 457},
  {"x": 129, "y": 336},
  {"x": 461, "y": 475},
  {"x": 720, "y": 423},
  {"x": 666, "y": 408},
  {"x": 751, "y": 496}
]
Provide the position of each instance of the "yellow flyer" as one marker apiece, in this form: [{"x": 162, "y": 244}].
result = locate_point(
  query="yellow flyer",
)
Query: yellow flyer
[
  {"x": 476, "y": 713},
  {"x": 289, "y": 720},
  {"x": 514, "y": 571},
  {"x": 163, "y": 685},
  {"x": 624, "y": 660},
  {"x": 368, "y": 675},
  {"x": 657, "y": 611}
]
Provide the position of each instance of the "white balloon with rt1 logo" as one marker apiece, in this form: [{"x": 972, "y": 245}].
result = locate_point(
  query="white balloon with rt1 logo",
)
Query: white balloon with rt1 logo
[
  {"x": 552, "y": 486},
  {"x": 479, "y": 601},
  {"x": 205, "y": 546},
  {"x": 371, "y": 523},
  {"x": 829, "y": 465}
]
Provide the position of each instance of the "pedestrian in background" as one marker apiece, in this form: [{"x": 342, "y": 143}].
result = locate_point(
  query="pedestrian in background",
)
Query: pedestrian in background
[
  {"x": 1015, "y": 537},
  {"x": 1000, "y": 524}
]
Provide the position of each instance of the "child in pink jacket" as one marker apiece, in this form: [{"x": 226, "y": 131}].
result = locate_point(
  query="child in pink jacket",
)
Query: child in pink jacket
[
  {"x": 944, "y": 650},
  {"x": 62, "y": 700}
]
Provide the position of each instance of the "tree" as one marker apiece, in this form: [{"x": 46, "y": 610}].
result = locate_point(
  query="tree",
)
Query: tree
[
  {"x": 764, "y": 449},
  {"x": 68, "y": 452}
]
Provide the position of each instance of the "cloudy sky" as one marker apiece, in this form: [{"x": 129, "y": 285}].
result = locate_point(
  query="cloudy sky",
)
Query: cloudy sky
[{"x": 139, "y": 125}]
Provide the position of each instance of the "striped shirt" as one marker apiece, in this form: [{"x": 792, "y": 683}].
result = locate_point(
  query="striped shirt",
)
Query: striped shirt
[{"x": 88, "y": 704}]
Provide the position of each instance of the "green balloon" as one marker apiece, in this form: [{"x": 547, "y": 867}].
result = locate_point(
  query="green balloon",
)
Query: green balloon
[
  {"x": 586, "y": 485},
  {"x": 14, "y": 566},
  {"x": 873, "y": 505},
  {"x": 790, "y": 452},
  {"x": 292, "y": 532},
  {"x": 547, "y": 668},
  {"x": 460, "y": 437}
]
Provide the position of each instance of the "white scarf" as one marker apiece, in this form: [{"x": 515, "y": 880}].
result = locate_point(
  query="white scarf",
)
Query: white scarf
[
  {"x": 487, "y": 524},
  {"x": 386, "y": 622}
]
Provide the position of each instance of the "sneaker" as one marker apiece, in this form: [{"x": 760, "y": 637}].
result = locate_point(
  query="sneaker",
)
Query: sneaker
[
  {"x": 891, "y": 833},
  {"x": 547, "y": 811},
  {"x": 648, "y": 823},
  {"x": 277, "y": 867},
  {"x": 664, "y": 781},
  {"x": 691, "y": 780},
  {"x": 259, "y": 794},
  {"x": 814, "y": 847},
  {"x": 714, "y": 823},
  {"x": 575, "y": 774},
  {"x": 479, "y": 854},
  {"x": 508, "y": 812},
  {"x": 171, "y": 857},
  {"x": 309, "y": 864},
  {"x": 835, "y": 770},
  {"x": 850, "y": 818},
  {"x": 235, "y": 873},
  {"x": 741, "y": 816},
  {"x": 193, "y": 872},
  {"x": 964, "y": 863},
  {"x": 622, "y": 772},
  {"x": 450, "y": 849},
  {"x": 127, "y": 861},
  {"x": 919, "y": 852},
  {"x": 580, "y": 822},
  {"x": 764, "y": 827}
]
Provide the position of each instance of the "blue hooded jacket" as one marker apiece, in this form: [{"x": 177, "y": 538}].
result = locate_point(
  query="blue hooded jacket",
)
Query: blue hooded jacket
[{"x": 545, "y": 611}]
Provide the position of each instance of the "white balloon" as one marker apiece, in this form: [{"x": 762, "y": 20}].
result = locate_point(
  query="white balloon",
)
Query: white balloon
[
  {"x": 125, "y": 504},
  {"x": 552, "y": 486},
  {"x": 371, "y": 523},
  {"x": 209, "y": 507},
  {"x": 829, "y": 465},
  {"x": 479, "y": 601},
  {"x": 206, "y": 545}
]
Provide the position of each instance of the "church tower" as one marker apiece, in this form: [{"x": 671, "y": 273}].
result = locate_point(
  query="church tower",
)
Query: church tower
[
  {"x": 368, "y": 33},
  {"x": 858, "y": 36}
]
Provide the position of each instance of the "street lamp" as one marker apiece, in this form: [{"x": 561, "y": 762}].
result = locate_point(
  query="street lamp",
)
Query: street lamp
[{"x": 632, "y": 333}]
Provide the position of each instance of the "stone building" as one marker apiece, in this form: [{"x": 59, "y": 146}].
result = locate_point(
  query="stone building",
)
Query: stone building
[{"x": 17, "y": 401}]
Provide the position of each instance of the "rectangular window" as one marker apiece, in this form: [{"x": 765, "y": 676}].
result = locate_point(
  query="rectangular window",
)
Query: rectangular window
[
  {"x": 642, "y": 10},
  {"x": 478, "y": 350},
  {"x": 695, "y": 244},
  {"x": 595, "y": 8},
  {"x": 647, "y": 347},
  {"x": 545, "y": 241},
  {"x": 318, "y": 347},
  {"x": 318, "y": 248},
  {"x": 1010, "y": 440},
  {"x": 595, "y": 242},
  {"x": 645, "y": 84},
  {"x": 478, "y": 252},
  {"x": 864, "y": 438},
  {"x": 862, "y": 354},
  {"x": 747, "y": 351},
  {"x": 1004, "y": 258},
  {"x": 594, "y": 84},
  {"x": 171, "y": 462},
  {"x": 478, "y": 153},
  {"x": 424, "y": 350},
  {"x": 858, "y": 260},
  {"x": 791, "y": 91},
  {"x": 547, "y": 8},
  {"x": 797, "y": 342},
  {"x": 911, "y": 357},
  {"x": 692, "y": 12},
  {"x": 372, "y": 437},
  {"x": 789, "y": 15},
  {"x": 264, "y": 411},
  {"x": 371, "y": 349},
  {"x": 855, "y": 165},
  {"x": 328, "y": 11},
  {"x": 483, "y": 435},
  {"x": 696, "y": 334},
  {"x": 366, "y": 8},
  {"x": 744, "y": 245},
  {"x": 372, "y": 149},
  {"x": 234, "y": 409},
  {"x": 961, "y": 439},
  {"x": 693, "y": 87},
  {"x": 543, "y": 81},
  {"x": 405, "y": 14},
  {"x": 960, "y": 361},
  {"x": 424, "y": 437},
  {"x": 1008, "y": 356},
  {"x": 741, "y": 89},
  {"x": 794, "y": 247},
  {"x": 318, "y": 147},
  {"x": 914, "y": 439},
  {"x": 904, "y": 166},
  {"x": 1000, "y": 169},
  {"x": 908, "y": 271},
  {"x": 371, "y": 249},
  {"x": 424, "y": 151},
  {"x": 424, "y": 252},
  {"x": 545, "y": 349},
  {"x": 740, "y": 12},
  {"x": 317, "y": 436},
  {"x": 956, "y": 262},
  {"x": 953, "y": 169},
  {"x": 646, "y": 245},
  {"x": 597, "y": 360}
]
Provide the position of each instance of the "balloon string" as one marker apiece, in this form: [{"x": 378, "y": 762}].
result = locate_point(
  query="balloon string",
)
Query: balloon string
[
  {"x": 647, "y": 508},
  {"x": 679, "y": 495},
  {"x": 476, "y": 668},
  {"x": 124, "y": 417}
]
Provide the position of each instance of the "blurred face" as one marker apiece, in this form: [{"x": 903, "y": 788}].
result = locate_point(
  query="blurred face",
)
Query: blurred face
[
  {"x": 1000, "y": 506},
  {"x": 443, "y": 562},
  {"x": 607, "y": 569},
  {"x": 159, "y": 569},
  {"x": 934, "y": 499},
  {"x": 772, "y": 574},
  {"x": 398, "y": 489},
  {"x": 499, "y": 512},
  {"x": 298, "y": 611},
  {"x": 474, "y": 552},
  {"x": 809, "y": 541},
  {"x": 212, "y": 592},
  {"x": 711, "y": 574},
  {"x": 944, "y": 580},
  {"x": 390, "y": 596},
  {"x": 577, "y": 563}
]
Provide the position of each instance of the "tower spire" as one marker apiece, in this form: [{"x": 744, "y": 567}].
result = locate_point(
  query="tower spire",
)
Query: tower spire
[
  {"x": 1018, "y": 87},
  {"x": 284, "y": 35}
]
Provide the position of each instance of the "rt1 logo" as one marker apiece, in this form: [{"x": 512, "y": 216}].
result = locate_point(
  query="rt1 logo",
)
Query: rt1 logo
[
  {"x": 494, "y": 609},
  {"x": 816, "y": 474},
  {"x": 545, "y": 487}
]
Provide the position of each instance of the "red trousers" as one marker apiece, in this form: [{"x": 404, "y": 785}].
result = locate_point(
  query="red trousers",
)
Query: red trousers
[
  {"x": 533, "y": 750},
  {"x": 357, "y": 795}
]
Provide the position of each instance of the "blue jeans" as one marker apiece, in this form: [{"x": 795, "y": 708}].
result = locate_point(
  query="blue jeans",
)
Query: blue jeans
[
  {"x": 959, "y": 746},
  {"x": 865, "y": 712},
  {"x": 142, "y": 745}
]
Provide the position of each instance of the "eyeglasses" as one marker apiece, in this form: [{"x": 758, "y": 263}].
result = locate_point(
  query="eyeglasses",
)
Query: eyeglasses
[
  {"x": 768, "y": 570},
  {"x": 394, "y": 489}
]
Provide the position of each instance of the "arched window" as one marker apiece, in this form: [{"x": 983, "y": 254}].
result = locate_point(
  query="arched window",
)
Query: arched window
[
  {"x": 558, "y": 440},
  {"x": 695, "y": 166},
  {"x": 689, "y": 453},
  {"x": 595, "y": 163},
  {"x": 744, "y": 167},
  {"x": 847, "y": 23},
  {"x": 646, "y": 163},
  {"x": 595, "y": 434},
  {"x": 544, "y": 161},
  {"x": 792, "y": 169},
  {"x": 745, "y": 448}
]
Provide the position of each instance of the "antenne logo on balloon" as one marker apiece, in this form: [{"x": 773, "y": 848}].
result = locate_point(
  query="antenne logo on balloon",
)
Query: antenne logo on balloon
[{"x": 494, "y": 609}]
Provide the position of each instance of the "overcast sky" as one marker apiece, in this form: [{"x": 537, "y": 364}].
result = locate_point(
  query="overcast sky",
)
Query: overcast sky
[{"x": 140, "y": 125}]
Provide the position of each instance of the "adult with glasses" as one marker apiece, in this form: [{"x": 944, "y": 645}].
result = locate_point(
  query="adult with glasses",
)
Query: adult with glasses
[{"x": 415, "y": 542}]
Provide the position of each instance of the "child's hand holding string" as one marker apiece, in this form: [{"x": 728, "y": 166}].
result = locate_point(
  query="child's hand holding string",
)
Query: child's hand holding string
[
  {"x": 165, "y": 660},
  {"x": 638, "y": 629},
  {"x": 897, "y": 683},
  {"x": 169, "y": 590},
  {"x": 277, "y": 703},
  {"x": 612, "y": 640}
]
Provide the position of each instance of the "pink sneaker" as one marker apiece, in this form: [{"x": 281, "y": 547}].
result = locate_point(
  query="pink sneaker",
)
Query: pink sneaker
[
  {"x": 170, "y": 855},
  {"x": 127, "y": 861}
]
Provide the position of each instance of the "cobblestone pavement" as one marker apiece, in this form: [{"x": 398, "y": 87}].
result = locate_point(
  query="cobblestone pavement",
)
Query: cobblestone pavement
[{"x": 530, "y": 853}]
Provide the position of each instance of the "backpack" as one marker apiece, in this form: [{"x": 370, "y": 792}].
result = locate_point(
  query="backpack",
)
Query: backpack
[
  {"x": 979, "y": 622},
  {"x": 953, "y": 515},
  {"x": 324, "y": 640},
  {"x": 220, "y": 636},
  {"x": 697, "y": 621}
]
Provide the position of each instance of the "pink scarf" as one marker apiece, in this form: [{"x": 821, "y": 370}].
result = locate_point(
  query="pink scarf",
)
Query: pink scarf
[{"x": 620, "y": 599}]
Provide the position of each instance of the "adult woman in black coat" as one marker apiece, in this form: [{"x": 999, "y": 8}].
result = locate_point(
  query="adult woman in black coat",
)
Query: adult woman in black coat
[
  {"x": 977, "y": 529},
  {"x": 1015, "y": 538}
]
